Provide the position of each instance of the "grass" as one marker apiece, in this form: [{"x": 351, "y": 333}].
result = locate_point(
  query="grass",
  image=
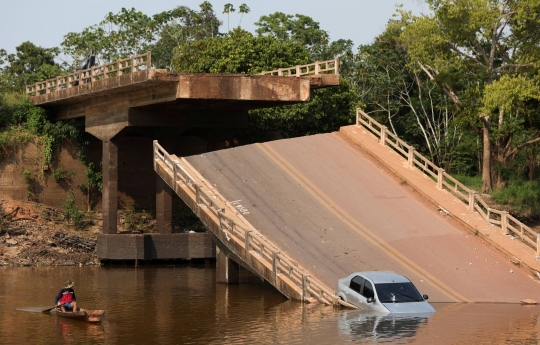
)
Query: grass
[{"x": 472, "y": 182}]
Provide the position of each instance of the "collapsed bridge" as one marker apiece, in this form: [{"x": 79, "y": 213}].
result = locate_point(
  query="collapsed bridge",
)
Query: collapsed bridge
[{"x": 302, "y": 213}]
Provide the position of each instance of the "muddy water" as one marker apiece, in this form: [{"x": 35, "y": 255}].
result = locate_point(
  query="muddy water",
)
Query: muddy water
[{"x": 183, "y": 305}]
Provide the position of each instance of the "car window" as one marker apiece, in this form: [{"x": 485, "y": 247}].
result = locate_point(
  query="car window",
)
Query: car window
[
  {"x": 398, "y": 293},
  {"x": 356, "y": 283},
  {"x": 368, "y": 290}
]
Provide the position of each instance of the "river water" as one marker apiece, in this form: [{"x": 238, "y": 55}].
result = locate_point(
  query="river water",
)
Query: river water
[{"x": 183, "y": 305}]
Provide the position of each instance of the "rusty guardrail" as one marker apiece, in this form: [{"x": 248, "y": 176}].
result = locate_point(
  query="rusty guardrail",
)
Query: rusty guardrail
[
  {"x": 251, "y": 242},
  {"x": 509, "y": 225},
  {"x": 108, "y": 70},
  {"x": 317, "y": 67}
]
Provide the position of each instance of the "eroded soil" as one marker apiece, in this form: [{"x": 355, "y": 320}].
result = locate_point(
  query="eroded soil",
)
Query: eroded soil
[{"x": 35, "y": 234}]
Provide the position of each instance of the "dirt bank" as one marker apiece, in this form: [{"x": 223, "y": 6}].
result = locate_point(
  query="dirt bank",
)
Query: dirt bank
[{"x": 35, "y": 234}]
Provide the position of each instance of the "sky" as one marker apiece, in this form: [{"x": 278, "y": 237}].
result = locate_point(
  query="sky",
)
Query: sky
[{"x": 45, "y": 22}]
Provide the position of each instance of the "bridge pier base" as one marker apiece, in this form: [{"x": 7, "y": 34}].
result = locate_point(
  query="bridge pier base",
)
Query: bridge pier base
[
  {"x": 163, "y": 206},
  {"x": 227, "y": 270}
]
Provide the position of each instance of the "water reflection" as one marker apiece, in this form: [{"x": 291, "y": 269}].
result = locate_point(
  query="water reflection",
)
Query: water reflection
[
  {"x": 184, "y": 305},
  {"x": 361, "y": 326}
]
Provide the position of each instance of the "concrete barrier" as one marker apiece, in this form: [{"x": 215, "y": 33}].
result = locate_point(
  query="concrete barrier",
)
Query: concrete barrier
[{"x": 155, "y": 246}]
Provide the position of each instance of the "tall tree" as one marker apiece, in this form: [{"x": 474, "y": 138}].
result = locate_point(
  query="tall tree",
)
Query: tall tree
[
  {"x": 181, "y": 25},
  {"x": 404, "y": 99},
  {"x": 243, "y": 9},
  {"x": 471, "y": 43},
  {"x": 228, "y": 8}
]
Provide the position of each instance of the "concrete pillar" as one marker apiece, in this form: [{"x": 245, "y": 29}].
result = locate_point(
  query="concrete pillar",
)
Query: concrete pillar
[
  {"x": 163, "y": 206},
  {"x": 110, "y": 186},
  {"x": 227, "y": 271}
]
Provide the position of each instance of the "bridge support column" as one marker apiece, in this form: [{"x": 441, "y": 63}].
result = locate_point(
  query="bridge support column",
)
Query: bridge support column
[
  {"x": 163, "y": 206},
  {"x": 227, "y": 271},
  {"x": 110, "y": 186}
]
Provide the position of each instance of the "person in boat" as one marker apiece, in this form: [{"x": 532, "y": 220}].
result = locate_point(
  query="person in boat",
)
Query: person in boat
[{"x": 66, "y": 299}]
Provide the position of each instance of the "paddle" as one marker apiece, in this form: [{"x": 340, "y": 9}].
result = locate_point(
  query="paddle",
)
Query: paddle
[{"x": 48, "y": 310}]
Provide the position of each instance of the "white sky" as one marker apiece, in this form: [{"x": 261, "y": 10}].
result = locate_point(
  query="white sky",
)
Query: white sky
[{"x": 45, "y": 22}]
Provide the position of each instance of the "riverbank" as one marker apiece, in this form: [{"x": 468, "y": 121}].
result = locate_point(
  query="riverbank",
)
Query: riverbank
[{"x": 36, "y": 234}]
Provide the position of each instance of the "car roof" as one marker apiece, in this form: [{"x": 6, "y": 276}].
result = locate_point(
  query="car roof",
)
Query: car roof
[{"x": 379, "y": 277}]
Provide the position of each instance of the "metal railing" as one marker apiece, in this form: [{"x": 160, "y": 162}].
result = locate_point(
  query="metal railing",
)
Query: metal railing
[
  {"x": 315, "y": 68},
  {"x": 251, "y": 242},
  {"x": 509, "y": 225},
  {"x": 95, "y": 73}
]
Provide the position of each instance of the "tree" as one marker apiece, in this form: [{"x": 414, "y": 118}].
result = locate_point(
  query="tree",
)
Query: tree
[
  {"x": 119, "y": 35},
  {"x": 517, "y": 125},
  {"x": 410, "y": 104},
  {"x": 28, "y": 65},
  {"x": 471, "y": 43},
  {"x": 130, "y": 32},
  {"x": 228, "y": 8},
  {"x": 179, "y": 26},
  {"x": 238, "y": 52},
  {"x": 244, "y": 9},
  {"x": 328, "y": 110},
  {"x": 298, "y": 28}
]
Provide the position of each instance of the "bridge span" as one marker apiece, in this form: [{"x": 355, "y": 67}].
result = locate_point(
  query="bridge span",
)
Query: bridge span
[{"x": 322, "y": 207}]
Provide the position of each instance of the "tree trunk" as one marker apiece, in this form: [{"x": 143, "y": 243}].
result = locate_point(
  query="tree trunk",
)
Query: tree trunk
[
  {"x": 486, "y": 159},
  {"x": 88, "y": 206},
  {"x": 532, "y": 163}
]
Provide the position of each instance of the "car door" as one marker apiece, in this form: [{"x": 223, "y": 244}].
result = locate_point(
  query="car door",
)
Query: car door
[{"x": 353, "y": 295}]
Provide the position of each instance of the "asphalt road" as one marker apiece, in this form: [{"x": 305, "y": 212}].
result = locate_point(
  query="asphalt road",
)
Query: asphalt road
[{"x": 329, "y": 207}]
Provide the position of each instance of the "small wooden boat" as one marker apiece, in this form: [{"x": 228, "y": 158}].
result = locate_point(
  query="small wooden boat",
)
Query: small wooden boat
[{"x": 83, "y": 314}]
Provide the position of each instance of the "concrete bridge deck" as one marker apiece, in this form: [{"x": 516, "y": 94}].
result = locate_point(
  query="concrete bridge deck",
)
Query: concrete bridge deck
[{"x": 334, "y": 210}]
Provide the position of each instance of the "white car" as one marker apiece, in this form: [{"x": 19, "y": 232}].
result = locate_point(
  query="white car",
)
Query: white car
[{"x": 386, "y": 292}]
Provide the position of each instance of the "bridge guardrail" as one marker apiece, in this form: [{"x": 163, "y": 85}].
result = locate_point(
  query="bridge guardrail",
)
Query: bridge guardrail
[
  {"x": 315, "y": 68},
  {"x": 250, "y": 239},
  {"x": 95, "y": 73},
  {"x": 509, "y": 224}
]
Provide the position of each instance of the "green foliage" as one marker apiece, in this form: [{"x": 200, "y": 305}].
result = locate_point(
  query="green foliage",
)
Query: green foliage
[
  {"x": 119, "y": 35},
  {"x": 139, "y": 221},
  {"x": 27, "y": 175},
  {"x": 59, "y": 174},
  {"x": 22, "y": 121},
  {"x": 131, "y": 32},
  {"x": 238, "y": 52},
  {"x": 509, "y": 94},
  {"x": 71, "y": 212},
  {"x": 328, "y": 110},
  {"x": 93, "y": 183},
  {"x": 179, "y": 26},
  {"x": 298, "y": 28},
  {"x": 28, "y": 65},
  {"x": 472, "y": 182},
  {"x": 523, "y": 197}
]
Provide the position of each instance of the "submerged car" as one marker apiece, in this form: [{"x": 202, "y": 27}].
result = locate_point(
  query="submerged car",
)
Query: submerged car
[{"x": 386, "y": 292}]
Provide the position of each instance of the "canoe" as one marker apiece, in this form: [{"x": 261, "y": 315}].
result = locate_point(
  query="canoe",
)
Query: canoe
[{"x": 83, "y": 314}]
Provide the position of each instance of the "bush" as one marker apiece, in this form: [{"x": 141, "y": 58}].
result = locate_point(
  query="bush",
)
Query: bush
[
  {"x": 523, "y": 197},
  {"x": 71, "y": 212},
  {"x": 472, "y": 182}
]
